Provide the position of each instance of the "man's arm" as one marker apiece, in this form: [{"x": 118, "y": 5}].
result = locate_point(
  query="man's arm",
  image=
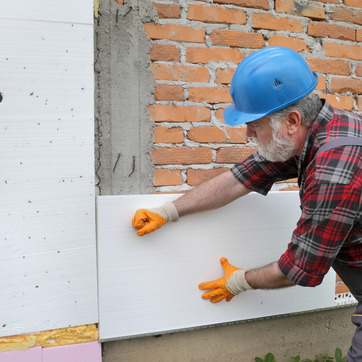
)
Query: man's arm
[
  {"x": 237, "y": 280},
  {"x": 267, "y": 277},
  {"x": 212, "y": 194}
]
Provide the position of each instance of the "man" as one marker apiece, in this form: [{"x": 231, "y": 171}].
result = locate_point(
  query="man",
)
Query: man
[{"x": 301, "y": 136}]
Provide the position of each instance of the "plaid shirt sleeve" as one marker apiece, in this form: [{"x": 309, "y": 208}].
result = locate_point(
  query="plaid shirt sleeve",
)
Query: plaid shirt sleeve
[
  {"x": 259, "y": 175},
  {"x": 330, "y": 225}
]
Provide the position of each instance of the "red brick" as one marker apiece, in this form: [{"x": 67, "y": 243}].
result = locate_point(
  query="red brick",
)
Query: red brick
[
  {"x": 290, "y": 188},
  {"x": 341, "y": 288},
  {"x": 359, "y": 70},
  {"x": 166, "y": 113},
  {"x": 196, "y": 177},
  {"x": 271, "y": 22},
  {"x": 295, "y": 7},
  {"x": 168, "y": 135},
  {"x": 206, "y": 135},
  {"x": 219, "y": 114},
  {"x": 207, "y": 55},
  {"x": 209, "y": 94},
  {"x": 353, "y": 3},
  {"x": 183, "y": 73},
  {"x": 224, "y": 76},
  {"x": 166, "y": 177},
  {"x": 329, "y": 66},
  {"x": 326, "y": 30},
  {"x": 342, "y": 102},
  {"x": 216, "y": 14},
  {"x": 233, "y": 154},
  {"x": 347, "y": 15},
  {"x": 175, "y": 32},
  {"x": 288, "y": 42},
  {"x": 165, "y": 52},
  {"x": 167, "y": 11},
  {"x": 321, "y": 83},
  {"x": 359, "y": 103},
  {"x": 235, "y": 38},
  {"x": 181, "y": 155},
  {"x": 169, "y": 92},
  {"x": 237, "y": 135},
  {"x": 359, "y": 34},
  {"x": 256, "y": 4},
  {"x": 343, "y": 85},
  {"x": 291, "y": 180},
  {"x": 343, "y": 51}
]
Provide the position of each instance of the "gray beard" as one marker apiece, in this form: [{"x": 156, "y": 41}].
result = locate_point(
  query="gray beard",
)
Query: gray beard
[{"x": 279, "y": 149}]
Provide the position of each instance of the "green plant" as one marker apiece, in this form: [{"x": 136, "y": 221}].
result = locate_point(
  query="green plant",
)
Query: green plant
[
  {"x": 322, "y": 358},
  {"x": 325, "y": 358},
  {"x": 296, "y": 358},
  {"x": 338, "y": 357},
  {"x": 268, "y": 358}
]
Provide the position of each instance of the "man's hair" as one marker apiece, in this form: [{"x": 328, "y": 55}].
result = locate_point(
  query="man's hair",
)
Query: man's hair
[{"x": 308, "y": 107}]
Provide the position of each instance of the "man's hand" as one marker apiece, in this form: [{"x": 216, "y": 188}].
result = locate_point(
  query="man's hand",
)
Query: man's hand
[
  {"x": 147, "y": 221},
  {"x": 231, "y": 284}
]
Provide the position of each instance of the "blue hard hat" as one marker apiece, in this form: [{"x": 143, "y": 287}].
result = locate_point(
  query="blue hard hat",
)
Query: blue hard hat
[{"x": 266, "y": 81}]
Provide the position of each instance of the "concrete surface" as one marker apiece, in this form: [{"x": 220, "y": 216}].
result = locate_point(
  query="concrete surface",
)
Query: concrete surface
[
  {"x": 124, "y": 89},
  {"x": 305, "y": 334}
]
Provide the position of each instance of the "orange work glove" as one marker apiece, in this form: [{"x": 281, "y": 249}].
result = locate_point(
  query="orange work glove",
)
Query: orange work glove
[
  {"x": 231, "y": 284},
  {"x": 147, "y": 221}
]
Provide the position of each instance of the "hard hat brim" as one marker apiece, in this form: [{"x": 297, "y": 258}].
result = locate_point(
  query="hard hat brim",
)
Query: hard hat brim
[{"x": 233, "y": 117}]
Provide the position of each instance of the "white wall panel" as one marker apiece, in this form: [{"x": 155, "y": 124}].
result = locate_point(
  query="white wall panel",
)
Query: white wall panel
[
  {"x": 149, "y": 284},
  {"x": 47, "y": 216},
  {"x": 79, "y": 11}
]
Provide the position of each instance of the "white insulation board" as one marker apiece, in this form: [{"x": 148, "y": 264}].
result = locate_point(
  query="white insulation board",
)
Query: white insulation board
[
  {"x": 47, "y": 212},
  {"x": 149, "y": 285}
]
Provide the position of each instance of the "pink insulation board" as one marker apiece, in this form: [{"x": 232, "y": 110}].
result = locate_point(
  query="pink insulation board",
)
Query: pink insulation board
[
  {"x": 29, "y": 355},
  {"x": 82, "y": 352}
]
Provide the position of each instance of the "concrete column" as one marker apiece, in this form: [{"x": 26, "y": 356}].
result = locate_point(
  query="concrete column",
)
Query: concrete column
[{"x": 124, "y": 89}]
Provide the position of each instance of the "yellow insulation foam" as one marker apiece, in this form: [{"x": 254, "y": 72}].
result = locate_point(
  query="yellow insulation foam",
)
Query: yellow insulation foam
[
  {"x": 53, "y": 338},
  {"x": 17, "y": 343}
]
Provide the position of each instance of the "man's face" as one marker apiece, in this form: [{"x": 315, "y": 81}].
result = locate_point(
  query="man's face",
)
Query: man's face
[
  {"x": 260, "y": 129},
  {"x": 273, "y": 144}
]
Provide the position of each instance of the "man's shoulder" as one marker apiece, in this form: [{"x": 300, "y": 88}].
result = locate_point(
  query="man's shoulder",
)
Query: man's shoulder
[{"x": 340, "y": 165}]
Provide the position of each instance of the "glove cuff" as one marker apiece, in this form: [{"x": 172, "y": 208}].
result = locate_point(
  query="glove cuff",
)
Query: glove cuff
[
  {"x": 168, "y": 211},
  {"x": 237, "y": 283}
]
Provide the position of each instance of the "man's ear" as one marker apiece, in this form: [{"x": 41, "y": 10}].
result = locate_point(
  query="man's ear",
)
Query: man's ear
[{"x": 294, "y": 121}]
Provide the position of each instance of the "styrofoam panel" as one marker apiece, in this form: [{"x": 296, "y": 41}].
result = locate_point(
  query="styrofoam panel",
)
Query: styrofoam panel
[
  {"x": 47, "y": 68},
  {"x": 149, "y": 284},
  {"x": 80, "y": 11},
  {"x": 47, "y": 211}
]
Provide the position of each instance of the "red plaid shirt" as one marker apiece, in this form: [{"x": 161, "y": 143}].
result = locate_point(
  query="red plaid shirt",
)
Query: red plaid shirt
[{"x": 330, "y": 226}]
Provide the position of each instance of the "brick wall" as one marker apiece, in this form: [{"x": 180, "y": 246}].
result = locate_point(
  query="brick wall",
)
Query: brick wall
[{"x": 196, "y": 46}]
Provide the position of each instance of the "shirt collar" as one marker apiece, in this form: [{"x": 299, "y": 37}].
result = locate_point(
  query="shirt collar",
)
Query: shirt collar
[{"x": 315, "y": 137}]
